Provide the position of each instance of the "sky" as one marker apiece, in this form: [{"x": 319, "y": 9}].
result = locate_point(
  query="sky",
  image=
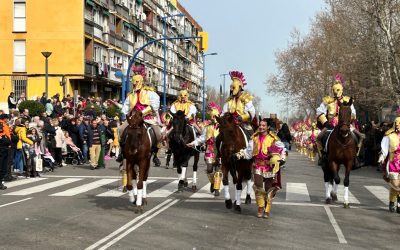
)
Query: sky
[{"x": 246, "y": 35}]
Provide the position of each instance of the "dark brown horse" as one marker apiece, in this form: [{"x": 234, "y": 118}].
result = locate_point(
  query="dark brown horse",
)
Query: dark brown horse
[
  {"x": 138, "y": 152},
  {"x": 181, "y": 134},
  {"x": 342, "y": 149},
  {"x": 230, "y": 141}
]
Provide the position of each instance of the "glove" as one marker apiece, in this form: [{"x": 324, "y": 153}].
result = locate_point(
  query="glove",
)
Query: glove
[
  {"x": 381, "y": 159},
  {"x": 328, "y": 126}
]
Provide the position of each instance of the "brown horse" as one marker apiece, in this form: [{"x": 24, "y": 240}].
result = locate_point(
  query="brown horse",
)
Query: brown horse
[
  {"x": 138, "y": 152},
  {"x": 230, "y": 141},
  {"x": 342, "y": 149}
]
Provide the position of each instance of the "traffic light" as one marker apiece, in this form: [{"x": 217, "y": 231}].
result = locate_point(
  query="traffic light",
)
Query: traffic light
[{"x": 202, "y": 43}]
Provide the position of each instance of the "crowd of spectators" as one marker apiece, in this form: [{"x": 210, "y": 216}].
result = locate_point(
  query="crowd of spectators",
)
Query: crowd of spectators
[{"x": 58, "y": 135}]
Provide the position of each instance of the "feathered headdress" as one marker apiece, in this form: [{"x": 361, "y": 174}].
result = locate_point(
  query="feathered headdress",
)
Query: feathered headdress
[
  {"x": 339, "y": 78},
  {"x": 238, "y": 75},
  {"x": 139, "y": 70},
  {"x": 213, "y": 105}
]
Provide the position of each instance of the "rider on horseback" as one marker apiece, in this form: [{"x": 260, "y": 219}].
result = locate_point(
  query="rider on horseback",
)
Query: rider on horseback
[
  {"x": 328, "y": 115},
  {"x": 268, "y": 152},
  {"x": 390, "y": 160},
  {"x": 240, "y": 105},
  {"x": 146, "y": 100},
  {"x": 208, "y": 137},
  {"x": 184, "y": 104}
]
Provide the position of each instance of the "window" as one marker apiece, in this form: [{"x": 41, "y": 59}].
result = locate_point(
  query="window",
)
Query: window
[
  {"x": 19, "y": 56},
  {"x": 19, "y": 16},
  {"x": 19, "y": 84}
]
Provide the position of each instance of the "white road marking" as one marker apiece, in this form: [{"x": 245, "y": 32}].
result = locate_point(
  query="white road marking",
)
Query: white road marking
[
  {"x": 84, "y": 188},
  {"x": 22, "y": 182},
  {"x": 118, "y": 193},
  {"x": 297, "y": 192},
  {"x": 380, "y": 192},
  {"x": 105, "y": 177},
  {"x": 165, "y": 190},
  {"x": 127, "y": 225},
  {"x": 43, "y": 187},
  {"x": 335, "y": 225},
  {"x": 204, "y": 192},
  {"x": 14, "y": 202},
  {"x": 128, "y": 231},
  {"x": 340, "y": 195}
]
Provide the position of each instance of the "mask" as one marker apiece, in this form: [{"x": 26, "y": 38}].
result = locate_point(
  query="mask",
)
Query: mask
[
  {"x": 236, "y": 86},
  {"x": 337, "y": 90},
  {"x": 213, "y": 113},
  {"x": 137, "y": 82},
  {"x": 396, "y": 122},
  {"x": 183, "y": 95}
]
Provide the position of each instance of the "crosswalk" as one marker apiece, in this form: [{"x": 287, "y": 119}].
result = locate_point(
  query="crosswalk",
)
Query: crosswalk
[{"x": 163, "y": 188}]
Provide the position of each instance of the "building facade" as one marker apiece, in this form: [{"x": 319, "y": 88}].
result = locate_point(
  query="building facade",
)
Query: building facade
[{"x": 90, "y": 41}]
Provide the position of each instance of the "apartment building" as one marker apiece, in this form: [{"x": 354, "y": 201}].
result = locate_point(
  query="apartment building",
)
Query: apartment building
[{"x": 91, "y": 40}]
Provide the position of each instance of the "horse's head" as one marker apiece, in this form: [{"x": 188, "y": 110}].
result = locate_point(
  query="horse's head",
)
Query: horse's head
[
  {"x": 179, "y": 124},
  {"x": 345, "y": 118},
  {"x": 226, "y": 123},
  {"x": 135, "y": 119}
]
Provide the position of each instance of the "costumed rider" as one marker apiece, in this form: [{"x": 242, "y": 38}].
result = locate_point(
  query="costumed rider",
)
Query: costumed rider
[
  {"x": 269, "y": 154},
  {"x": 146, "y": 100},
  {"x": 240, "y": 105},
  {"x": 208, "y": 137},
  {"x": 328, "y": 116},
  {"x": 186, "y": 106},
  {"x": 390, "y": 161}
]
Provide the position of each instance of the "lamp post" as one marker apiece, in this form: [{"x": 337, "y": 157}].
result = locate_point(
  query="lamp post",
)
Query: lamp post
[
  {"x": 47, "y": 55},
  {"x": 223, "y": 89},
  {"x": 164, "y": 19},
  {"x": 204, "y": 81}
]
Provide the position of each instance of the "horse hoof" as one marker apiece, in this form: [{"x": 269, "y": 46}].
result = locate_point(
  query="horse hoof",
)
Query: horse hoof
[
  {"x": 216, "y": 193},
  {"x": 346, "y": 205},
  {"x": 212, "y": 188},
  {"x": 328, "y": 201},
  {"x": 334, "y": 196},
  {"x": 228, "y": 204},
  {"x": 194, "y": 188},
  {"x": 238, "y": 209},
  {"x": 139, "y": 210},
  {"x": 180, "y": 186},
  {"x": 248, "y": 199},
  {"x": 185, "y": 183}
]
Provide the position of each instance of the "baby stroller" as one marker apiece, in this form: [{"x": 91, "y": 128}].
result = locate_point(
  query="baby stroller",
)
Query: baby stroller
[
  {"x": 48, "y": 163},
  {"x": 72, "y": 157}
]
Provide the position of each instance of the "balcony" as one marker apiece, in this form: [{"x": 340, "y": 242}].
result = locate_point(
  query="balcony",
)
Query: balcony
[
  {"x": 112, "y": 74},
  {"x": 89, "y": 67},
  {"x": 118, "y": 42},
  {"x": 111, "y": 39},
  {"x": 89, "y": 16},
  {"x": 124, "y": 45},
  {"x": 89, "y": 29},
  {"x": 122, "y": 10}
]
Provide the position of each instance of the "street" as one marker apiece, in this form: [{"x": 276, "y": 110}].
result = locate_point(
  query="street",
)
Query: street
[{"x": 76, "y": 208}]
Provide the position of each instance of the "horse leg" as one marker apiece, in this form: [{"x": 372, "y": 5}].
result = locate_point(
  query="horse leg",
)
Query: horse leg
[
  {"x": 346, "y": 183},
  {"x": 239, "y": 189},
  {"x": 248, "y": 191},
  {"x": 327, "y": 179},
  {"x": 140, "y": 184},
  {"x": 196, "y": 161},
  {"x": 336, "y": 179},
  {"x": 225, "y": 182}
]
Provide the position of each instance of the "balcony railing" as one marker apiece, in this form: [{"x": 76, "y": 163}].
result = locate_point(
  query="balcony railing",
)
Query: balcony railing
[
  {"x": 122, "y": 10},
  {"x": 89, "y": 67},
  {"x": 118, "y": 42},
  {"x": 89, "y": 29}
]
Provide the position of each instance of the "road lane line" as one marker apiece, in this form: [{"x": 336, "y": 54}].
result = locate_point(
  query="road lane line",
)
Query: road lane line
[
  {"x": 335, "y": 225},
  {"x": 85, "y": 188},
  {"x": 105, "y": 177},
  {"x": 128, "y": 231},
  {"x": 165, "y": 190},
  {"x": 379, "y": 192},
  {"x": 14, "y": 202},
  {"x": 127, "y": 225},
  {"x": 43, "y": 187},
  {"x": 297, "y": 192},
  {"x": 340, "y": 195},
  {"x": 118, "y": 193},
  {"x": 22, "y": 182}
]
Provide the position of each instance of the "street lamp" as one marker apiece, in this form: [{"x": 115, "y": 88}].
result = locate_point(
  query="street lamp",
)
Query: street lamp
[
  {"x": 47, "y": 55},
  {"x": 164, "y": 19},
  {"x": 204, "y": 80}
]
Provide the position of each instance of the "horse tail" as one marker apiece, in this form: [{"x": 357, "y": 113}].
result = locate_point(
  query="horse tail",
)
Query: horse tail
[{"x": 233, "y": 168}]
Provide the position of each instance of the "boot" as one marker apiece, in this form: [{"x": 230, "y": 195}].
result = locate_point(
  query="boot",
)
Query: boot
[
  {"x": 392, "y": 207},
  {"x": 168, "y": 153},
  {"x": 268, "y": 205},
  {"x": 211, "y": 179},
  {"x": 156, "y": 161},
  {"x": 121, "y": 155},
  {"x": 260, "y": 200}
]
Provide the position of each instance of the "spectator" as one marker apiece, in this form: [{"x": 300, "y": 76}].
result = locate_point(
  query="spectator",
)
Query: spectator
[
  {"x": 73, "y": 130},
  {"x": 49, "y": 108},
  {"x": 5, "y": 144},
  {"x": 285, "y": 136},
  {"x": 59, "y": 137},
  {"x": 25, "y": 115},
  {"x": 31, "y": 151},
  {"x": 84, "y": 130},
  {"x": 91, "y": 112},
  {"x": 43, "y": 99},
  {"x": 57, "y": 110},
  {"x": 21, "y": 99},
  {"x": 94, "y": 144},
  {"x": 20, "y": 131},
  {"x": 71, "y": 144},
  {"x": 12, "y": 103}
]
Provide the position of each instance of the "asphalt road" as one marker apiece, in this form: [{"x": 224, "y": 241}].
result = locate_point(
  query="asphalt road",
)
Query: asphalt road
[{"x": 78, "y": 208}]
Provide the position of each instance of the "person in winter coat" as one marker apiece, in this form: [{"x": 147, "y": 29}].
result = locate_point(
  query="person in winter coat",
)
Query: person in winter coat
[
  {"x": 20, "y": 130},
  {"x": 60, "y": 140}
]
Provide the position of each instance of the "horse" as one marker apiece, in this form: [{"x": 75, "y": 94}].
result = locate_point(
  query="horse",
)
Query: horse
[
  {"x": 342, "y": 149},
  {"x": 182, "y": 133},
  {"x": 231, "y": 139},
  {"x": 138, "y": 152}
]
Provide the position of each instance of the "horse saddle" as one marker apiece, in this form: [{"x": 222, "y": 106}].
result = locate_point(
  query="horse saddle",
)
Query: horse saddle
[
  {"x": 247, "y": 131},
  {"x": 152, "y": 136}
]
